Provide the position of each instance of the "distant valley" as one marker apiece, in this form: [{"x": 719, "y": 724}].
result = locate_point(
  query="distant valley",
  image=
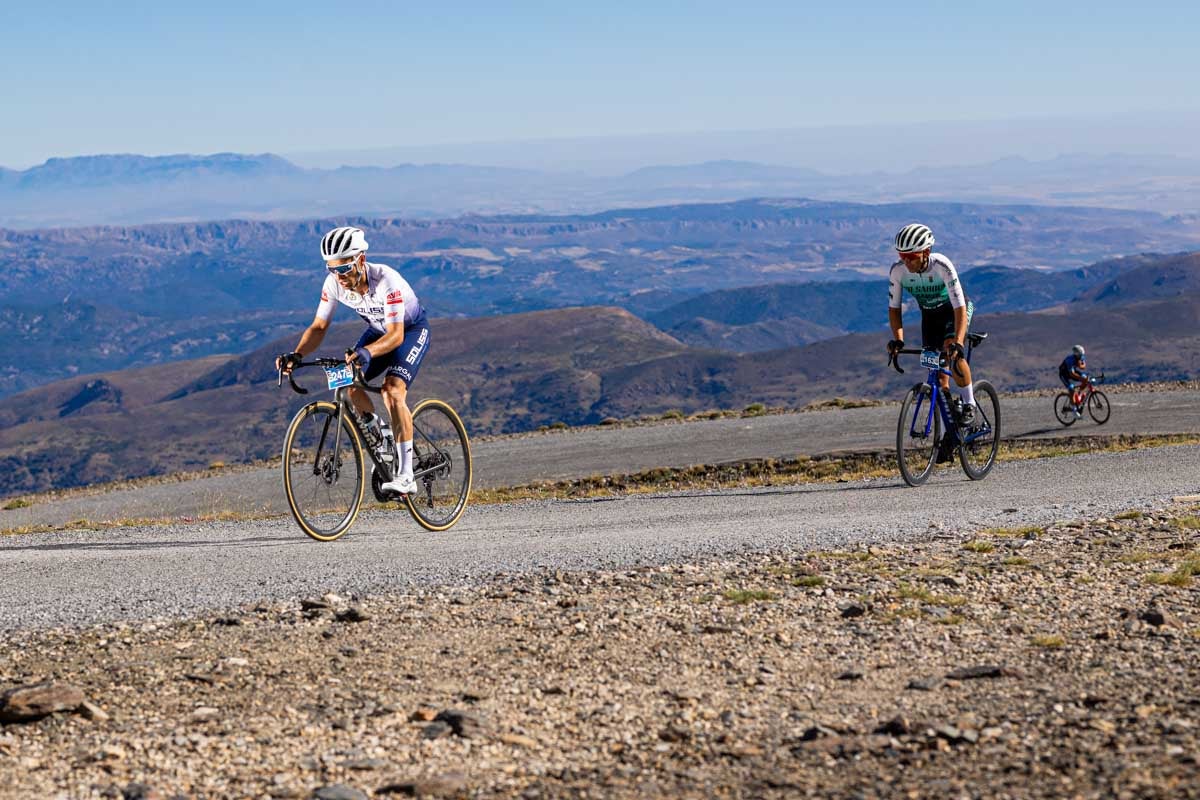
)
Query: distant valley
[{"x": 83, "y": 300}]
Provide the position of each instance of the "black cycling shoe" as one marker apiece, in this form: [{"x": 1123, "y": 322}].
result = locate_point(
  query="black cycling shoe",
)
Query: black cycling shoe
[
  {"x": 967, "y": 414},
  {"x": 945, "y": 452}
]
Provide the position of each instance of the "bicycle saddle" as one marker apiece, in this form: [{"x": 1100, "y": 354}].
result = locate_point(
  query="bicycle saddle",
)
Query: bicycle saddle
[{"x": 976, "y": 338}]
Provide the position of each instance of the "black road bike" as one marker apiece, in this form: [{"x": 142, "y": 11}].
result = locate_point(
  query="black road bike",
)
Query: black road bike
[{"x": 327, "y": 459}]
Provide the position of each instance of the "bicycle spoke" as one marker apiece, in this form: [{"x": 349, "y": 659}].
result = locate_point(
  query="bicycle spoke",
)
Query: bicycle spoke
[
  {"x": 323, "y": 472},
  {"x": 441, "y": 466}
]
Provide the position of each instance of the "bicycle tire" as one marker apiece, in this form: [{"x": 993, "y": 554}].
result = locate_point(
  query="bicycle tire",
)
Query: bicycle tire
[
  {"x": 987, "y": 447},
  {"x": 1064, "y": 409},
  {"x": 908, "y": 441},
  {"x": 324, "y": 489},
  {"x": 442, "y": 450},
  {"x": 1098, "y": 408}
]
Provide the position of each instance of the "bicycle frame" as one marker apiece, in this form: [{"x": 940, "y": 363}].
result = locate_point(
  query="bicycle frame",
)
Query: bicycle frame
[
  {"x": 341, "y": 398},
  {"x": 938, "y": 401}
]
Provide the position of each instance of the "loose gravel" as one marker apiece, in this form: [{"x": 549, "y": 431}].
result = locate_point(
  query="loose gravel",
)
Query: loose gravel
[{"x": 1049, "y": 660}]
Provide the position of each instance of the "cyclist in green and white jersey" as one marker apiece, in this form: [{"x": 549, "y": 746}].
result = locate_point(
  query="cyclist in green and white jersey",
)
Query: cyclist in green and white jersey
[{"x": 945, "y": 310}]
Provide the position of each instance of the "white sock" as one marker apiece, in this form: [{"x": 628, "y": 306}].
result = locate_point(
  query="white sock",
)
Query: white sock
[
  {"x": 968, "y": 393},
  {"x": 406, "y": 451}
]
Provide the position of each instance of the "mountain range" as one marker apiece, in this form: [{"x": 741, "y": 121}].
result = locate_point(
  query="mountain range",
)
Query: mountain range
[
  {"x": 137, "y": 189},
  {"x": 515, "y": 372}
]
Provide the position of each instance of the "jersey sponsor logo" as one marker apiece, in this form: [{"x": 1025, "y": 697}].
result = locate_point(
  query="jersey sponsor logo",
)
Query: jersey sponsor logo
[
  {"x": 415, "y": 352},
  {"x": 394, "y": 315},
  {"x": 401, "y": 371},
  {"x": 324, "y": 296},
  {"x": 395, "y": 297}
]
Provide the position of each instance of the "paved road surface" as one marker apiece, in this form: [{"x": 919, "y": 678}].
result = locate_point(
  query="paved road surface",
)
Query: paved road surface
[
  {"x": 570, "y": 454},
  {"x": 133, "y": 573}
]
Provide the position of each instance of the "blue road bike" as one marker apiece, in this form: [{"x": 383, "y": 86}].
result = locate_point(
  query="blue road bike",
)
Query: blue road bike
[{"x": 929, "y": 431}]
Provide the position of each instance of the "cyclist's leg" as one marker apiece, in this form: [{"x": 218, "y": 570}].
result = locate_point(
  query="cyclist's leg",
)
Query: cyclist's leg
[
  {"x": 402, "y": 365},
  {"x": 360, "y": 399},
  {"x": 933, "y": 323},
  {"x": 962, "y": 370}
]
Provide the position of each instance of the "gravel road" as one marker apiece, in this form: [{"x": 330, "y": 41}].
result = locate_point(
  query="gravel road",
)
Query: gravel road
[
  {"x": 591, "y": 451},
  {"x": 78, "y": 577}
]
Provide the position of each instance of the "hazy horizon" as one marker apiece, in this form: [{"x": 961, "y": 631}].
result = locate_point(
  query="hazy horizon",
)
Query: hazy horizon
[{"x": 656, "y": 82}]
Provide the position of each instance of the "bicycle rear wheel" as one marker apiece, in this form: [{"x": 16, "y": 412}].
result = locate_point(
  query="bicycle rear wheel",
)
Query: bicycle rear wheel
[
  {"x": 1098, "y": 407},
  {"x": 981, "y": 439},
  {"x": 1064, "y": 409},
  {"x": 322, "y": 471},
  {"x": 441, "y": 466},
  {"x": 918, "y": 434}
]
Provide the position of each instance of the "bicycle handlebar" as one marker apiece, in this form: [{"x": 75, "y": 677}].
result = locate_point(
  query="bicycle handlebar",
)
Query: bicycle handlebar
[
  {"x": 323, "y": 362},
  {"x": 893, "y": 361}
]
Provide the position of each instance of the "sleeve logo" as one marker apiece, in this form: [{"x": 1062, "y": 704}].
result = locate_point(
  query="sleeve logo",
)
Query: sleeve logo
[
  {"x": 324, "y": 296},
  {"x": 395, "y": 297}
]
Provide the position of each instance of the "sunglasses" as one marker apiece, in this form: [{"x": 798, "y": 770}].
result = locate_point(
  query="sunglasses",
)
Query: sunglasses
[{"x": 343, "y": 268}]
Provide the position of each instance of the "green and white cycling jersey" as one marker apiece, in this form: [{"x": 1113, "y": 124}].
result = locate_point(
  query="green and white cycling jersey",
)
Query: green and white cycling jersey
[{"x": 934, "y": 287}]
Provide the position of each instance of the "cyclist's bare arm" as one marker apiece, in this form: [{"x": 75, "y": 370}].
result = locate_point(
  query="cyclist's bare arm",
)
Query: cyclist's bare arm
[
  {"x": 896, "y": 321},
  {"x": 390, "y": 340},
  {"x": 960, "y": 325},
  {"x": 311, "y": 339}
]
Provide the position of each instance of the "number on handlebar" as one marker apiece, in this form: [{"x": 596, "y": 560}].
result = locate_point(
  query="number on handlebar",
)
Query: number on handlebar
[
  {"x": 339, "y": 376},
  {"x": 931, "y": 359}
]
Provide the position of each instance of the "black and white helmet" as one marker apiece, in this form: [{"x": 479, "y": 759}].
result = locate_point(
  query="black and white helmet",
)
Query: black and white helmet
[
  {"x": 343, "y": 243},
  {"x": 1078, "y": 350},
  {"x": 914, "y": 238}
]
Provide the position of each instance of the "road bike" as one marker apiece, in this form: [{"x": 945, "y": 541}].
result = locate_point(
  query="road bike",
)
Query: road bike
[
  {"x": 926, "y": 413},
  {"x": 325, "y": 454},
  {"x": 1068, "y": 406}
]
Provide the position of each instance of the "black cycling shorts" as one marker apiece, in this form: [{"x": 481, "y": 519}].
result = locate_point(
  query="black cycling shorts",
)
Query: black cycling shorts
[{"x": 937, "y": 325}]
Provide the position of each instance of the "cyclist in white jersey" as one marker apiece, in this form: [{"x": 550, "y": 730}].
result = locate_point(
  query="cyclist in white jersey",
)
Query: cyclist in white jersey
[
  {"x": 395, "y": 341},
  {"x": 945, "y": 310}
]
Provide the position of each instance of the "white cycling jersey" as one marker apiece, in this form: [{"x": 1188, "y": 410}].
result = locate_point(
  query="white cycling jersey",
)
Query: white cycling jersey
[
  {"x": 389, "y": 299},
  {"x": 934, "y": 287}
]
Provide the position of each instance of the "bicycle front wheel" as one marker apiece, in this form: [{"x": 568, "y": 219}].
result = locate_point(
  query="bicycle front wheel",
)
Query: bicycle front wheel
[
  {"x": 918, "y": 434},
  {"x": 323, "y": 471},
  {"x": 1064, "y": 409},
  {"x": 1098, "y": 407},
  {"x": 441, "y": 466},
  {"x": 981, "y": 439}
]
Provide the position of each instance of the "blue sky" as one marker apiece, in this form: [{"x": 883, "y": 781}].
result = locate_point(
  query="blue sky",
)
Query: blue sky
[{"x": 153, "y": 78}]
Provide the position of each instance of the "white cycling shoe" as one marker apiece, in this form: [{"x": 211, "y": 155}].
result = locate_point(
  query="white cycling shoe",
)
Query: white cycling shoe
[{"x": 404, "y": 484}]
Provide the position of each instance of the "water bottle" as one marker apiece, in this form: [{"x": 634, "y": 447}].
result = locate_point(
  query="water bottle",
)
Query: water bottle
[
  {"x": 371, "y": 430},
  {"x": 387, "y": 442}
]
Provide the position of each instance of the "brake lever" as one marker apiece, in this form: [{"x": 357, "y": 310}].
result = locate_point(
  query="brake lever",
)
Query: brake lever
[{"x": 894, "y": 361}]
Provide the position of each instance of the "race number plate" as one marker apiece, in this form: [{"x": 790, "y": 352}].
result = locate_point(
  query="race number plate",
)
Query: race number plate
[
  {"x": 339, "y": 376},
  {"x": 931, "y": 359}
]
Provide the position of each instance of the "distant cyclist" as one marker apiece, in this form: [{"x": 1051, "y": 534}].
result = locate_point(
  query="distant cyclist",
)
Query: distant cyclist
[
  {"x": 1072, "y": 372},
  {"x": 945, "y": 310},
  {"x": 395, "y": 341}
]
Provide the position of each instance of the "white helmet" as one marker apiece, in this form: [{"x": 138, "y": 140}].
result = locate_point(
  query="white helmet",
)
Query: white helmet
[
  {"x": 1078, "y": 350},
  {"x": 914, "y": 238},
  {"x": 343, "y": 243}
]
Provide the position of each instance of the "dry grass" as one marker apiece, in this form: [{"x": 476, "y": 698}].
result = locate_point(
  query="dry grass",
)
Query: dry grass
[
  {"x": 1050, "y": 641},
  {"x": 1181, "y": 577},
  {"x": 743, "y": 596}
]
